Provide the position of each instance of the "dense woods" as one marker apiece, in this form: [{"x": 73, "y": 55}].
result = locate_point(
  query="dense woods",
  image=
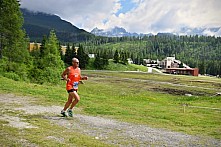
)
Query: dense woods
[{"x": 203, "y": 52}]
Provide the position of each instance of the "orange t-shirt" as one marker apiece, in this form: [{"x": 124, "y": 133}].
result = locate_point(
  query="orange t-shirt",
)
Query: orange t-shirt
[{"x": 74, "y": 75}]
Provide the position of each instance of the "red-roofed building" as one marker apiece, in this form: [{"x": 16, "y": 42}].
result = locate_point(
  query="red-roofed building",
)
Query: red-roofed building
[{"x": 183, "y": 71}]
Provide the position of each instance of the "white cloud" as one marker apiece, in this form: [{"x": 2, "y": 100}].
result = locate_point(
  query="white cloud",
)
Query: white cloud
[
  {"x": 170, "y": 15},
  {"x": 208, "y": 32},
  {"x": 148, "y": 16},
  {"x": 85, "y": 14}
]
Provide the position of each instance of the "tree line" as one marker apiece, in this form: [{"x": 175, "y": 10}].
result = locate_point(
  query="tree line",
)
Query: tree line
[
  {"x": 39, "y": 65},
  {"x": 203, "y": 52}
]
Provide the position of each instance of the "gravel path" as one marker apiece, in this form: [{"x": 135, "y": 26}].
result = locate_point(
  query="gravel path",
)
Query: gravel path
[{"x": 106, "y": 130}]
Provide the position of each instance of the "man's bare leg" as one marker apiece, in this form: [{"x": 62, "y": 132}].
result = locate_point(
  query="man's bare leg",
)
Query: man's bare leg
[
  {"x": 76, "y": 99},
  {"x": 69, "y": 101}
]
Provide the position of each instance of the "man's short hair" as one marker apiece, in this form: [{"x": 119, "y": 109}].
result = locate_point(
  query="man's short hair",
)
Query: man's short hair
[{"x": 75, "y": 59}]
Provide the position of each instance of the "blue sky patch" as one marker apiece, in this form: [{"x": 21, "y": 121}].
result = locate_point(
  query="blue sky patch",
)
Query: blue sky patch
[
  {"x": 105, "y": 21},
  {"x": 126, "y": 5}
]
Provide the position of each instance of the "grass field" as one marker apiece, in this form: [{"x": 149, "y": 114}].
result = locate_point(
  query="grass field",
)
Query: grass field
[
  {"x": 119, "y": 66},
  {"x": 151, "y": 99}
]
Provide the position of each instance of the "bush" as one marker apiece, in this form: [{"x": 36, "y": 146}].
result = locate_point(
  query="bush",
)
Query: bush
[
  {"x": 12, "y": 70},
  {"x": 3, "y": 64},
  {"x": 47, "y": 75},
  {"x": 52, "y": 75},
  {"x": 12, "y": 75}
]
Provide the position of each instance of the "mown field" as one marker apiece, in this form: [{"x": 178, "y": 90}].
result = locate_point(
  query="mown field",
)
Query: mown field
[
  {"x": 155, "y": 100},
  {"x": 119, "y": 66}
]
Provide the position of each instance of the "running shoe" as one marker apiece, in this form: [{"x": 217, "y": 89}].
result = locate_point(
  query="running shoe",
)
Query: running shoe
[
  {"x": 63, "y": 113},
  {"x": 70, "y": 113}
]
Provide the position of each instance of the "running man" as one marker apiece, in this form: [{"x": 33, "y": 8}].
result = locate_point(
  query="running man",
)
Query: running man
[{"x": 72, "y": 75}]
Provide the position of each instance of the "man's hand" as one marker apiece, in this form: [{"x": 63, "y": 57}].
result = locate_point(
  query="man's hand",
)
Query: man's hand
[
  {"x": 84, "y": 78},
  {"x": 81, "y": 82}
]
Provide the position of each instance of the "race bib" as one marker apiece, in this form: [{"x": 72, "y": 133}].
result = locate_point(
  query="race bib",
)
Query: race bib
[{"x": 75, "y": 85}]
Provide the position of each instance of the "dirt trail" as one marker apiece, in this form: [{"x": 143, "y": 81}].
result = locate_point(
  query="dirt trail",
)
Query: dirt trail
[{"x": 107, "y": 130}]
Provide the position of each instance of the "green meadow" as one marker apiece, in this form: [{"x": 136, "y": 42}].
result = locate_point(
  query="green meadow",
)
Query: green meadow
[{"x": 156, "y": 100}]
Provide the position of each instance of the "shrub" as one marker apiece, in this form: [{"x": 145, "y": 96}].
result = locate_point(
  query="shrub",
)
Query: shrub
[
  {"x": 12, "y": 75},
  {"x": 3, "y": 64}
]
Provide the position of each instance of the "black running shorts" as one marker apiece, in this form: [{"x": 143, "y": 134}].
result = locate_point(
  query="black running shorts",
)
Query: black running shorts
[{"x": 72, "y": 90}]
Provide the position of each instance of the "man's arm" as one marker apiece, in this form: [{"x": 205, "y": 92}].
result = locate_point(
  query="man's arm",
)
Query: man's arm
[
  {"x": 83, "y": 77},
  {"x": 64, "y": 74}
]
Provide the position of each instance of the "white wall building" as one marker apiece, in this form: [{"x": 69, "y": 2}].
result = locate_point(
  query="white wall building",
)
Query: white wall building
[
  {"x": 167, "y": 62},
  {"x": 130, "y": 61},
  {"x": 91, "y": 55},
  {"x": 171, "y": 62}
]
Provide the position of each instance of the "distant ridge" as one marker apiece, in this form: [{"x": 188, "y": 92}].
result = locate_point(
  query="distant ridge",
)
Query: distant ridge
[
  {"x": 121, "y": 32},
  {"x": 116, "y": 32},
  {"x": 37, "y": 24}
]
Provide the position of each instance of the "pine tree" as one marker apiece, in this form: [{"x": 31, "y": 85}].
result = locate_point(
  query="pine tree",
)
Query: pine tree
[
  {"x": 116, "y": 57},
  {"x": 105, "y": 59},
  {"x": 48, "y": 67},
  {"x": 52, "y": 45},
  {"x": 13, "y": 43},
  {"x": 124, "y": 58},
  {"x": 52, "y": 55},
  {"x": 42, "y": 47},
  {"x": 61, "y": 52},
  {"x": 202, "y": 67},
  {"x": 73, "y": 51},
  {"x": 97, "y": 61},
  {"x": 82, "y": 57},
  {"x": 101, "y": 60},
  {"x": 12, "y": 37},
  {"x": 68, "y": 55}
]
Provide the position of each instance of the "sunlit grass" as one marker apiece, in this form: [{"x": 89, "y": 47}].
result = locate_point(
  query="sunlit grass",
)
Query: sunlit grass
[{"x": 108, "y": 94}]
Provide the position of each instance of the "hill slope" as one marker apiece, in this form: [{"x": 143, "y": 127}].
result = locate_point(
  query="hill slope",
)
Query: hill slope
[{"x": 38, "y": 24}]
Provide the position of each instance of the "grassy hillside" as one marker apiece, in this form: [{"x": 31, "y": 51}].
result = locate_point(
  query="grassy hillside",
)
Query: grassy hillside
[
  {"x": 152, "y": 99},
  {"x": 119, "y": 66}
]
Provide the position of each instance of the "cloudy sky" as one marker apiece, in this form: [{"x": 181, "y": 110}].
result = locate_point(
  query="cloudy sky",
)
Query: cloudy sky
[{"x": 141, "y": 16}]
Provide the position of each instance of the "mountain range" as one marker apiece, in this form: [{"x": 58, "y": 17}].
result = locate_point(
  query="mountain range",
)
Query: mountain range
[
  {"x": 38, "y": 24},
  {"x": 116, "y": 32},
  {"x": 206, "y": 31},
  {"x": 120, "y": 32}
]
